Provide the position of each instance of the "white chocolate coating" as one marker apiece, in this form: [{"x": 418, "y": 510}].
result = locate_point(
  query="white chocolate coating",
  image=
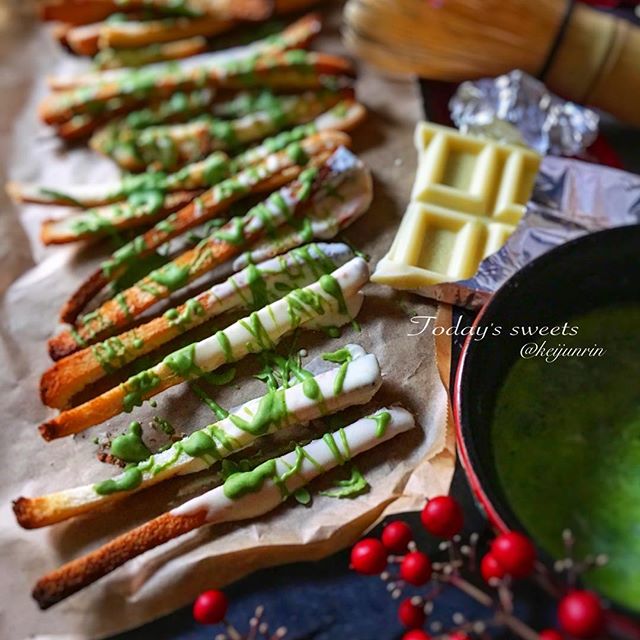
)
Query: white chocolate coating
[
  {"x": 235, "y": 292},
  {"x": 277, "y": 321},
  {"x": 361, "y": 382},
  {"x": 360, "y": 436},
  {"x": 329, "y": 212}
]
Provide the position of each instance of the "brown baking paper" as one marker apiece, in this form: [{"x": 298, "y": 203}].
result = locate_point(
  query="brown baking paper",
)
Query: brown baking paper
[{"x": 35, "y": 281}]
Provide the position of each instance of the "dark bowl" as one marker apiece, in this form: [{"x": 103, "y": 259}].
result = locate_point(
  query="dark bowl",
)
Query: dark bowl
[{"x": 596, "y": 270}]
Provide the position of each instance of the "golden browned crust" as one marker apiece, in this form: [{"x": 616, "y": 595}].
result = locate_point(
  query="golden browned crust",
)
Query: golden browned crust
[
  {"x": 70, "y": 375},
  {"x": 100, "y": 408},
  {"x": 83, "y": 39},
  {"x": 79, "y": 299},
  {"x": 77, "y": 12},
  {"x": 83, "y": 126},
  {"x": 62, "y": 345},
  {"x": 42, "y": 511},
  {"x": 251, "y": 10},
  {"x": 169, "y": 51},
  {"x": 289, "y": 6},
  {"x": 61, "y": 232},
  {"x": 82, "y": 572},
  {"x": 28, "y": 512},
  {"x": 73, "y": 373},
  {"x": 141, "y": 34}
]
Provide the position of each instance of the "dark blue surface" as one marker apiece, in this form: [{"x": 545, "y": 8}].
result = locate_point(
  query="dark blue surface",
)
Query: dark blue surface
[{"x": 326, "y": 601}]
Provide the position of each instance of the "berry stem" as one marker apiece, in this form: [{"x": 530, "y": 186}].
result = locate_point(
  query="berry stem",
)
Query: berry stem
[
  {"x": 232, "y": 632},
  {"x": 503, "y": 617}
]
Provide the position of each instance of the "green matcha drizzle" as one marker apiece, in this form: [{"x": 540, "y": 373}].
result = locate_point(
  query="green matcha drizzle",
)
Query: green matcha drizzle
[
  {"x": 382, "y": 420},
  {"x": 242, "y": 483},
  {"x": 343, "y": 357},
  {"x": 232, "y": 232},
  {"x": 110, "y": 353},
  {"x": 127, "y": 481},
  {"x": 129, "y": 446},
  {"x": 354, "y": 486},
  {"x": 125, "y": 255},
  {"x": 171, "y": 276},
  {"x": 200, "y": 445},
  {"x": 329, "y": 440},
  {"x": 225, "y": 345},
  {"x": 254, "y": 326},
  {"x": 182, "y": 362},
  {"x": 257, "y": 286},
  {"x": 185, "y": 315},
  {"x": 136, "y": 387},
  {"x": 122, "y": 303},
  {"x": 78, "y": 339},
  {"x": 217, "y": 410},
  {"x": 271, "y": 411}
]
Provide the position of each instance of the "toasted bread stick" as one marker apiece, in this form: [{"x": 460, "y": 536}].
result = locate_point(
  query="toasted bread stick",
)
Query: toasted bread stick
[
  {"x": 146, "y": 208},
  {"x": 86, "y": 11},
  {"x": 179, "y": 107},
  {"x": 349, "y": 202},
  {"x": 296, "y": 36},
  {"x": 250, "y": 289},
  {"x": 296, "y": 69},
  {"x": 109, "y": 58},
  {"x": 198, "y": 175},
  {"x": 332, "y": 301},
  {"x": 346, "y": 115},
  {"x": 89, "y": 39},
  {"x": 274, "y": 171},
  {"x": 328, "y": 214},
  {"x": 243, "y": 496},
  {"x": 346, "y": 385},
  {"x": 224, "y": 243},
  {"x": 78, "y": 12},
  {"x": 170, "y": 146}
]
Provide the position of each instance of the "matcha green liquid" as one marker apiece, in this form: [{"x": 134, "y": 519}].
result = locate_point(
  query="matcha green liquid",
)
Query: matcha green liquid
[{"x": 566, "y": 441}]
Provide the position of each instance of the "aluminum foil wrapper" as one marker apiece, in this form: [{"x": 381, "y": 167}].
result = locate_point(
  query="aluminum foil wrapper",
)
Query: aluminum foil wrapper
[
  {"x": 570, "y": 198},
  {"x": 518, "y": 109}
]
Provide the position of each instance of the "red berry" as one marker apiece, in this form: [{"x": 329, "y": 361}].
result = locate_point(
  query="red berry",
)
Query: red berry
[
  {"x": 442, "y": 517},
  {"x": 550, "y": 634},
  {"x": 457, "y": 635},
  {"x": 416, "y": 568},
  {"x": 210, "y": 607},
  {"x": 396, "y": 536},
  {"x": 411, "y": 615},
  {"x": 369, "y": 557},
  {"x": 580, "y": 614},
  {"x": 491, "y": 568},
  {"x": 515, "y": 553},
  {"x": 416, "y": 634}
]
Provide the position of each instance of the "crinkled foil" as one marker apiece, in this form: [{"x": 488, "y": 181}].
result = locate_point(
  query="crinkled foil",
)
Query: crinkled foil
[
  {"x": 518, "y": 109},
  {"x": 570, "y": 198}
]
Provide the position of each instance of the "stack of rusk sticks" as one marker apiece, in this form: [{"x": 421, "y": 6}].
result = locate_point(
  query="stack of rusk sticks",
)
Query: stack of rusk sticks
[{"x": 248, "y": 147}]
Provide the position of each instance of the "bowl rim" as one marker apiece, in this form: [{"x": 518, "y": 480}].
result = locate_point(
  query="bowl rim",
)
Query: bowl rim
[
  {"x": 618, "y": 616},
  {"x": 576, "y": 244}
]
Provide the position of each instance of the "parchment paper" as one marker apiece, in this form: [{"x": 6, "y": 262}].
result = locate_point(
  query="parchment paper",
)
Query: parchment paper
[{"x": 35, "y": 281}]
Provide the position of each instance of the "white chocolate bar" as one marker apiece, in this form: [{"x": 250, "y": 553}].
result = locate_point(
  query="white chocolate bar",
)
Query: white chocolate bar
[{"x": 469, "y": 194}]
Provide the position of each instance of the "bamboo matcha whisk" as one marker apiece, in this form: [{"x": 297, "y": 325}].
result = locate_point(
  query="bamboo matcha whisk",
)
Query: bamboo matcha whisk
[{"x": 580, "y": 53}]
